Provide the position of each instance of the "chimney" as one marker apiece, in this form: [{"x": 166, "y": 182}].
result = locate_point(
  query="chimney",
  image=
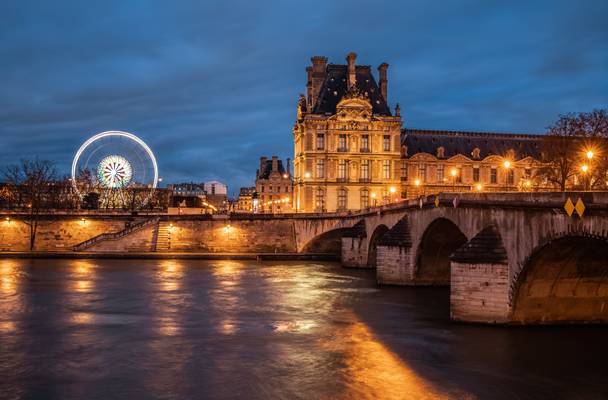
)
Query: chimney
[
  {"x": 288, "y": 167},
  {"x": 383, "y": 80},
  {"x": 319, "y": 71},
  {"x": 275, "y": 163},
  {"x": 352, "y": 76},
  {"x": 262, "y": 164},
  {"x": 309, "y": 86}
]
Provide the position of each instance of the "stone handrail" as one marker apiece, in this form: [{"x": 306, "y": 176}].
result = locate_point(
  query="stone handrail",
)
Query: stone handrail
[{"x": 115, "y": 235}]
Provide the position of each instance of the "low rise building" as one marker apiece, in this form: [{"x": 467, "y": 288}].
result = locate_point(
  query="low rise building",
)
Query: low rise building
[{"x": 245, "y": 202}]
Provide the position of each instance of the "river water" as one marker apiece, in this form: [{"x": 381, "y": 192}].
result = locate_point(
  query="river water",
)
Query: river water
[{"x": 177, "y": 329}]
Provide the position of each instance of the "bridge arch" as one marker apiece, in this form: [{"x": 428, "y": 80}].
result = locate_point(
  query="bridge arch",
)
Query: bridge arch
[
  {"x": 329, "y": 242},
  {"x": 379, "y": 231},
  {"x": 564, "y": 280},
  {"x": 440, "y": 239}
]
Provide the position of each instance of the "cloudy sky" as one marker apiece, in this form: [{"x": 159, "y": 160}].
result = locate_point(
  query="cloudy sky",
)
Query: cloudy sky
[{"x": 212, "y": 86}]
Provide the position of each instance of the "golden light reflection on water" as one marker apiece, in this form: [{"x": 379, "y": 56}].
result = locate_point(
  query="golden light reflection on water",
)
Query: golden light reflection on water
[
  {"x": 374, "y": 370},
  {"x": 82, "y": 276},
  {"x": 9, "y": 276},
  {"x": 170, "y": 275},
  {"x": 226, "y": 299},
  {"x": 169, "y": 279}
]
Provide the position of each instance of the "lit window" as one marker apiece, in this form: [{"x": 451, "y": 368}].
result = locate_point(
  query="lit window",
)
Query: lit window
[
  {"x": 365, "y": 143},
  {"x": 342, "y": 142},
  {"x": 342, "y": 169},
  {"x": 320, "y": 199},
  {"x": 342, "y": 199},
  {"x": 440, "y": 173},
  {"x": 320, "y": 168},
  {"x": 493, "y": 175},
  {"x": 422, "y": 173},
  {"x": 475, "y": 174},
  {"x": 386, "y": 169},
  {"x": 510, "y": 176},
  {"x": 364, "y": 198},
  {"x": 364, "y": 169},
  {"x": 320, "y": 141},
  {"x": 386, "y": 143}
]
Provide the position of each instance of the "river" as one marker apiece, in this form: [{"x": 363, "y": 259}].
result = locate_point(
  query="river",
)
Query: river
[{"x": 184, "y": 329}]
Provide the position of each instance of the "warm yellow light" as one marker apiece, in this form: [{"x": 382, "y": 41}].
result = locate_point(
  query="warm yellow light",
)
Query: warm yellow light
[
  {"x": 373, "y": 195},
  {"x": 507, "y": 163},
  {"x": 585, "y": 168},
  {"x": 590, "y": 154},
  {"x": 527, "y": 183},
  {"x": 417, "y": 182},
  {"x": 392, "y": 189},
  {"x": 454, "y": 172},
  {"x": 478, "y": 187},
  {"x": 84, "y": 221},
  {"x": 285, "y": 176},
  {"x": 307, "y": 175},
  {"x": 227, "y": 229}
]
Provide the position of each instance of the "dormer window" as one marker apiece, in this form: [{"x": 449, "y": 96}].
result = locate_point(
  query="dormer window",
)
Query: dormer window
[
  {"x": 403, "y": 151},
  {"x": 476, "y": 153},
  {"x": 440, "y": 152}
]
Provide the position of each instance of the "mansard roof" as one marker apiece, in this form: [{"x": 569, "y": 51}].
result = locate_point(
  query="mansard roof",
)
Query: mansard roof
[
  {"x": 335, "y": 87},
  {"x": 267, "y": 169},
  {"x": 455, "y": 142}
]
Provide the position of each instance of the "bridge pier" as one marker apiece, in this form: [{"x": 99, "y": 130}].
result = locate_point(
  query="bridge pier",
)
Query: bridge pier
[
  {"x": 395, "y": 264},
  {"x": 479, "y": 282},
  {"x": 354, "y": 247}
]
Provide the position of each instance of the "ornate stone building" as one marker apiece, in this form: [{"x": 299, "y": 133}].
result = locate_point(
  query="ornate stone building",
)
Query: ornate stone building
[
  {"x": 446, "y": 161},
  {"x": 346, "y": 140},
  {"x": 352, "y": 153},
  {"x": 274, "y": 186}
]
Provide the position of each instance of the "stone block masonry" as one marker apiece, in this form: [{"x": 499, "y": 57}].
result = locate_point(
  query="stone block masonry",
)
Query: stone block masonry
[
  {"x": 479, "y": 292},
  {"x": 394, "y": 265}
]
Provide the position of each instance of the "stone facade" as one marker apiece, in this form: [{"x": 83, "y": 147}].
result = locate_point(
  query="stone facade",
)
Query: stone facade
[
  {"x": 346, "y": 140},
  {"x": 449, "y": 161},
  {"x": 274, "y": 186}
]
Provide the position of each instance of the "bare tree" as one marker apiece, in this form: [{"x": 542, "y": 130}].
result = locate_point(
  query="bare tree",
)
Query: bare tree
[
  {"x": 575, "y": 150},
  {"x": 33, "y": 179}
]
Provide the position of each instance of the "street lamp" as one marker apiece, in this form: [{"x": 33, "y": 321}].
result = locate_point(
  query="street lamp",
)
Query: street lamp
[
  {"x": 507, "y": 165},
  {"x": 586, "y": 178},
  {"x": 589, "y": 154},
  {"x": 478, "y": 187},
  {"x": 307, "y": 175},
  {"x": 374, "y": 198},
  {"x": 454, "y": 173}
]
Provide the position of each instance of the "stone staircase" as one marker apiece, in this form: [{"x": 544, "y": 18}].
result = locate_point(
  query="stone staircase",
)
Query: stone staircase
[
  {"x": 117, "y": 235},
  {"x": 163, "y": 236}
]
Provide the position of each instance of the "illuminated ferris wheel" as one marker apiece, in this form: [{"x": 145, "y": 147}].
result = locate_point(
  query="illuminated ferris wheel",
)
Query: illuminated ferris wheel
[{"x": 116, "y": 166}]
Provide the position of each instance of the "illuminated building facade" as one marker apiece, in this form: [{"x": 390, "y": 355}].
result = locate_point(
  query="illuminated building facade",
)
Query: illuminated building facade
[
  {"x": 244, "y": 203},
  {"x": 346, "y": 140},
  {"x": 446, "y": 161},
  {"x": 274, "y": 186}
]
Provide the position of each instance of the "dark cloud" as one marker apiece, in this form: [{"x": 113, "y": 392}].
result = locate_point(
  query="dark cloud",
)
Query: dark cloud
[{"x": 211, "y": 86}]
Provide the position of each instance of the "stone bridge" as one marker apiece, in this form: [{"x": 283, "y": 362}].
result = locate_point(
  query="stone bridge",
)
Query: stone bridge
[{"x": 507, "y": 257}]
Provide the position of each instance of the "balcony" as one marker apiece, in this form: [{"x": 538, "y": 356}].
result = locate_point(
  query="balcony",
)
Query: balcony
[
  {"x": 364, "y": 150},
  {"x": 342, "y": 150},
  {"x": 365, "y": 180},
  {"x": 341, "y": 180},
  {"x": 404, "y": 179}
]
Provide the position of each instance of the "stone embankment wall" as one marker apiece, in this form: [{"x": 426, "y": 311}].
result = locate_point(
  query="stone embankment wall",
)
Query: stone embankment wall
[{"x": 62, "y": 233}]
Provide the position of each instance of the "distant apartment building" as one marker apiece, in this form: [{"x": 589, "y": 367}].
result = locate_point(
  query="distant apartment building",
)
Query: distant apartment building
[
  {"x": 246, "y": 199},
  {"x": 274, "y": 186}
]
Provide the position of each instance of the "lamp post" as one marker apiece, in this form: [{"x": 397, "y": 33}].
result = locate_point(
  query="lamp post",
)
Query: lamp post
[
  {"x": 585, "y": 169},
  {"x": 454, "y": 173},
  {"x": 374, "y": 198},
  {"x": 507, "y": 165}
]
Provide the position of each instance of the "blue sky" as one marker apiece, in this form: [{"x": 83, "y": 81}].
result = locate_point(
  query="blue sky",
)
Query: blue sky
[{"x": 212, "y": 86}]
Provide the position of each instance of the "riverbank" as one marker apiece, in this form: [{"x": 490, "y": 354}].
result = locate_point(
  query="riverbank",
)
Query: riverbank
[{"x": 172, "y": 255}]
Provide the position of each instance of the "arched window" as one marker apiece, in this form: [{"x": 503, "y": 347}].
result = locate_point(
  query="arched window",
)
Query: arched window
[
  {"x": 342, "y": 196},
  {"x": 476, "y": 153}
]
